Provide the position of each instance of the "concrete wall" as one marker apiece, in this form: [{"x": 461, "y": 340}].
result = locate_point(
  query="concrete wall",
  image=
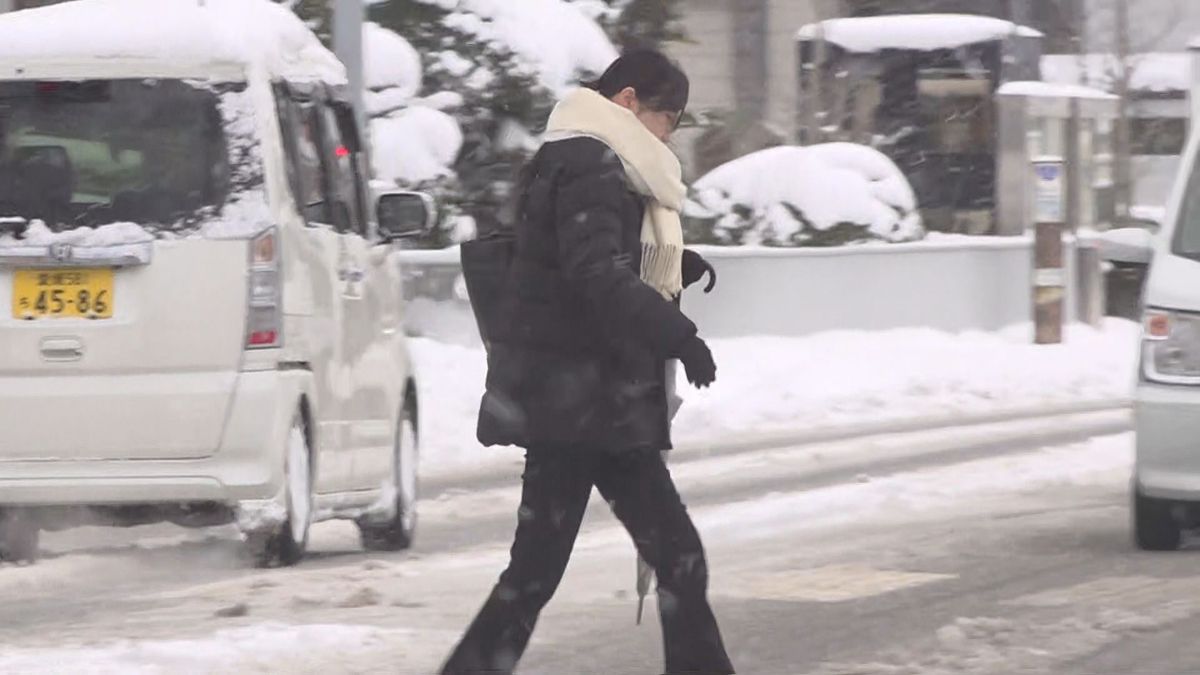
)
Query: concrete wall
[{"x": 951, "y": 285}]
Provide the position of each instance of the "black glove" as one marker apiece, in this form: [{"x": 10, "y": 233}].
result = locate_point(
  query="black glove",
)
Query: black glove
[
  {"x": 694, "y": 268},
  {"x": 698, "y": 362}
]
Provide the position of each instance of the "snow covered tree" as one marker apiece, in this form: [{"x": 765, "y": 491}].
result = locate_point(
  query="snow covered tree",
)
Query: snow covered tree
[
  {"x": 318, "y": 14},
  {"x": 495, "y": 96},
  {"x": 637, "y": 23}
]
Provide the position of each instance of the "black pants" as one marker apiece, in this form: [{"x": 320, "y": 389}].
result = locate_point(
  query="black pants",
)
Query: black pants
[{"x": 638, "y": 486}]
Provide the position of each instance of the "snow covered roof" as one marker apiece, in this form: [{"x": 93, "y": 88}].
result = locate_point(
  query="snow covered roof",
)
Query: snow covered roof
[
  {"x": 1151, "y": 71},
  {"x": 246, "y": 32},
  {"x": 920, "y": 32},
  {"x": 1051, "y": 90}
]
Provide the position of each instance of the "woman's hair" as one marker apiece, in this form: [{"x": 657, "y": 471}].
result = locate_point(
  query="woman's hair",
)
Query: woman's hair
[{"x": 661, "y": 85}]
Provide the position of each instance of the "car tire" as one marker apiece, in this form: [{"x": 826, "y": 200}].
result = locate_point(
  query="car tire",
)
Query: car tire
[
  {"x": 19, "y": 536},
  {"x": 1155, "y": 526},
  {"x": 286, "y": 543},
  {"x": 398, "y": 533}
]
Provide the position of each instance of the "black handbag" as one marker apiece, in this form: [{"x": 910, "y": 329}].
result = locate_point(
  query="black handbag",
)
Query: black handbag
[{"x": 487, "y": 265}]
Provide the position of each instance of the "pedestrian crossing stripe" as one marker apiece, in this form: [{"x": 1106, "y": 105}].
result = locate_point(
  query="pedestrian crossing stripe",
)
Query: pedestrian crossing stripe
[{"x": 830, "y": 584}]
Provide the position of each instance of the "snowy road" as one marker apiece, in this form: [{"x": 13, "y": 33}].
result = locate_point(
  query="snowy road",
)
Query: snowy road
[{"x": 995, "y": 549}]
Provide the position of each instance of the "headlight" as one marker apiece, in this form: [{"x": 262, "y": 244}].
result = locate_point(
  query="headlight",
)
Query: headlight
[{"x": 1171, "y": 347}]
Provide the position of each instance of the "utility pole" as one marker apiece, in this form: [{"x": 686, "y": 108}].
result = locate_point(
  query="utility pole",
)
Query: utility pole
[
  {"x": 750, "y": 71},
  {"x": 1122, "y": 169},
  {"x": 348, "y": 18}
]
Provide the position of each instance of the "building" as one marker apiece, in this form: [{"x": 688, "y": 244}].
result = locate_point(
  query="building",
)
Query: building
[{"x": 741, "y": 56}]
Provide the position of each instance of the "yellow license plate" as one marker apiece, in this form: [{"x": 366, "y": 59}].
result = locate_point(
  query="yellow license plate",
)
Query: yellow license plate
[{"x": 62, "y": 294}]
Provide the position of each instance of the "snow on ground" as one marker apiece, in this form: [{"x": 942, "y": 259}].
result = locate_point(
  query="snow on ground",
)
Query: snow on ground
[
  {"x": 261, "y": 648},
  {"x": 355, "y": 616},
  {"x": 915, "y": 31},
  {"x": 769, "y": 384},
  {"x": 827, "y": 184}
]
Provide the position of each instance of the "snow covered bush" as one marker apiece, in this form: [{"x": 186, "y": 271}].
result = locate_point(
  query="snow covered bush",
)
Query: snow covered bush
[
  {"x": 820, "y": 195},
  {"x": 496, "y": 67}
]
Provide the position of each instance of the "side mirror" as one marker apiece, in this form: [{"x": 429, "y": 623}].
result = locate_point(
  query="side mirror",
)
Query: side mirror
[{"x": 405, "y": 215}]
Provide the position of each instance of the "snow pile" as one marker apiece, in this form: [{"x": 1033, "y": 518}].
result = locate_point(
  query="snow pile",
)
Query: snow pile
[
  {"x": 1051, "y": 90},
  {"x": 918, "y": 32},
  {"x": 251, "y": 32},
  {"x": 796, "y": 196},
  {"x": 415, "y": 145},
  {"x": 559, "y": 41},
  {"x": 798, "y": 384},
  {"x": 1149, "y": 72}
]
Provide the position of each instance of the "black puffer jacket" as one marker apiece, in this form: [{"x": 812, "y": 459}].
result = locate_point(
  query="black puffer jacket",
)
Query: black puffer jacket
[{"x": 582, "y": 360}]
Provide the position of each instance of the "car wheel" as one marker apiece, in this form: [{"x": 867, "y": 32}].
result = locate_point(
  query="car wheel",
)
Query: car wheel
[
  {"x": 397, "y": 534},
  {"x": 286, "y": 542},
  {"x": 19, "y": 535},
  {"x": 1155, "y": 526}
]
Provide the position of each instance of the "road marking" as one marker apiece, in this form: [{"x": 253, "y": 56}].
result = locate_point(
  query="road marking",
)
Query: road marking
[{"x": 835, "y": 583}]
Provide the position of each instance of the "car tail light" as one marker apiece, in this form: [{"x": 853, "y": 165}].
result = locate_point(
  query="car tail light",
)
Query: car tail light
[{"x": 264, "y": 315}]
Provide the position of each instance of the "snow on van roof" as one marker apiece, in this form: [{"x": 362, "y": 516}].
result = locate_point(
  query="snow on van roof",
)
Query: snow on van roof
[
  {"x": 250, "y": 32},
  {"x": 921, "y": 32}
]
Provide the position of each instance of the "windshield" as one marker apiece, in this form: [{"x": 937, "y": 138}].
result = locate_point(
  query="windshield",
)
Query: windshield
[
  {"x": 88, "y": 153},
  {"x": 1186, "y": 241}
]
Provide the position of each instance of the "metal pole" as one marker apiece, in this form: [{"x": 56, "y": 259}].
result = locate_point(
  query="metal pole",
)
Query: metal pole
[
  {"x": 1049, "y": 278},
  {"x": 348, "y": 18}
]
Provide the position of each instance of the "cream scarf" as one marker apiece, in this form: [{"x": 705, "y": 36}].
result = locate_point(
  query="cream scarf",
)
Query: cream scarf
[{"x": 653, "y": 171}]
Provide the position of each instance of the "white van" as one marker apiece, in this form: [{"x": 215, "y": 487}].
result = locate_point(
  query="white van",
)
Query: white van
[
  {"x": 1166, "y": 481},
  {"x": 201, "y": 314}
]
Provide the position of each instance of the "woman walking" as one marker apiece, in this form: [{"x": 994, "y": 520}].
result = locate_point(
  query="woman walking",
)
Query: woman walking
[{"x": 577, "y": 373}]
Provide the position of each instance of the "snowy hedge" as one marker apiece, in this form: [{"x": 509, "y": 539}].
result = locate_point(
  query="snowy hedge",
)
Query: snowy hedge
[{"x": 820, "y": 195}]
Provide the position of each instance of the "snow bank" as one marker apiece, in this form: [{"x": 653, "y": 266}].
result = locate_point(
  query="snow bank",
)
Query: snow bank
[
  {"x": 1052, "y": 90},
  {"x": 846, "y": 377},
  {"x": 415, "y": 145},
  {"x": 831, "y": 379},
  {"x": 559, "y": 41},
  {"x": 252, "y": 32},
  {"x": 828, "y": 185},
  {"x": 1150, "y": 72},
  {"x": 390, "y": 62},
  {"x": 921, "y": 32}
]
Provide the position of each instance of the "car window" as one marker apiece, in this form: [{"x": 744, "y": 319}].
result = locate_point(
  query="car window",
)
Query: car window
[
  {"x": 301, "y": 129},
  {"x": 340, "y": 154}
]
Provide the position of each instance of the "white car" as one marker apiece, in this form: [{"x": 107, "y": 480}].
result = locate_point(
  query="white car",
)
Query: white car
[
  {"x": 1166, "y": 481},
  {"x": 202, "y": 314}
]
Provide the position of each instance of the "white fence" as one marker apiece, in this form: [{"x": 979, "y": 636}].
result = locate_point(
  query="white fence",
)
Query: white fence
[{"x": 946, "y": 283}]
